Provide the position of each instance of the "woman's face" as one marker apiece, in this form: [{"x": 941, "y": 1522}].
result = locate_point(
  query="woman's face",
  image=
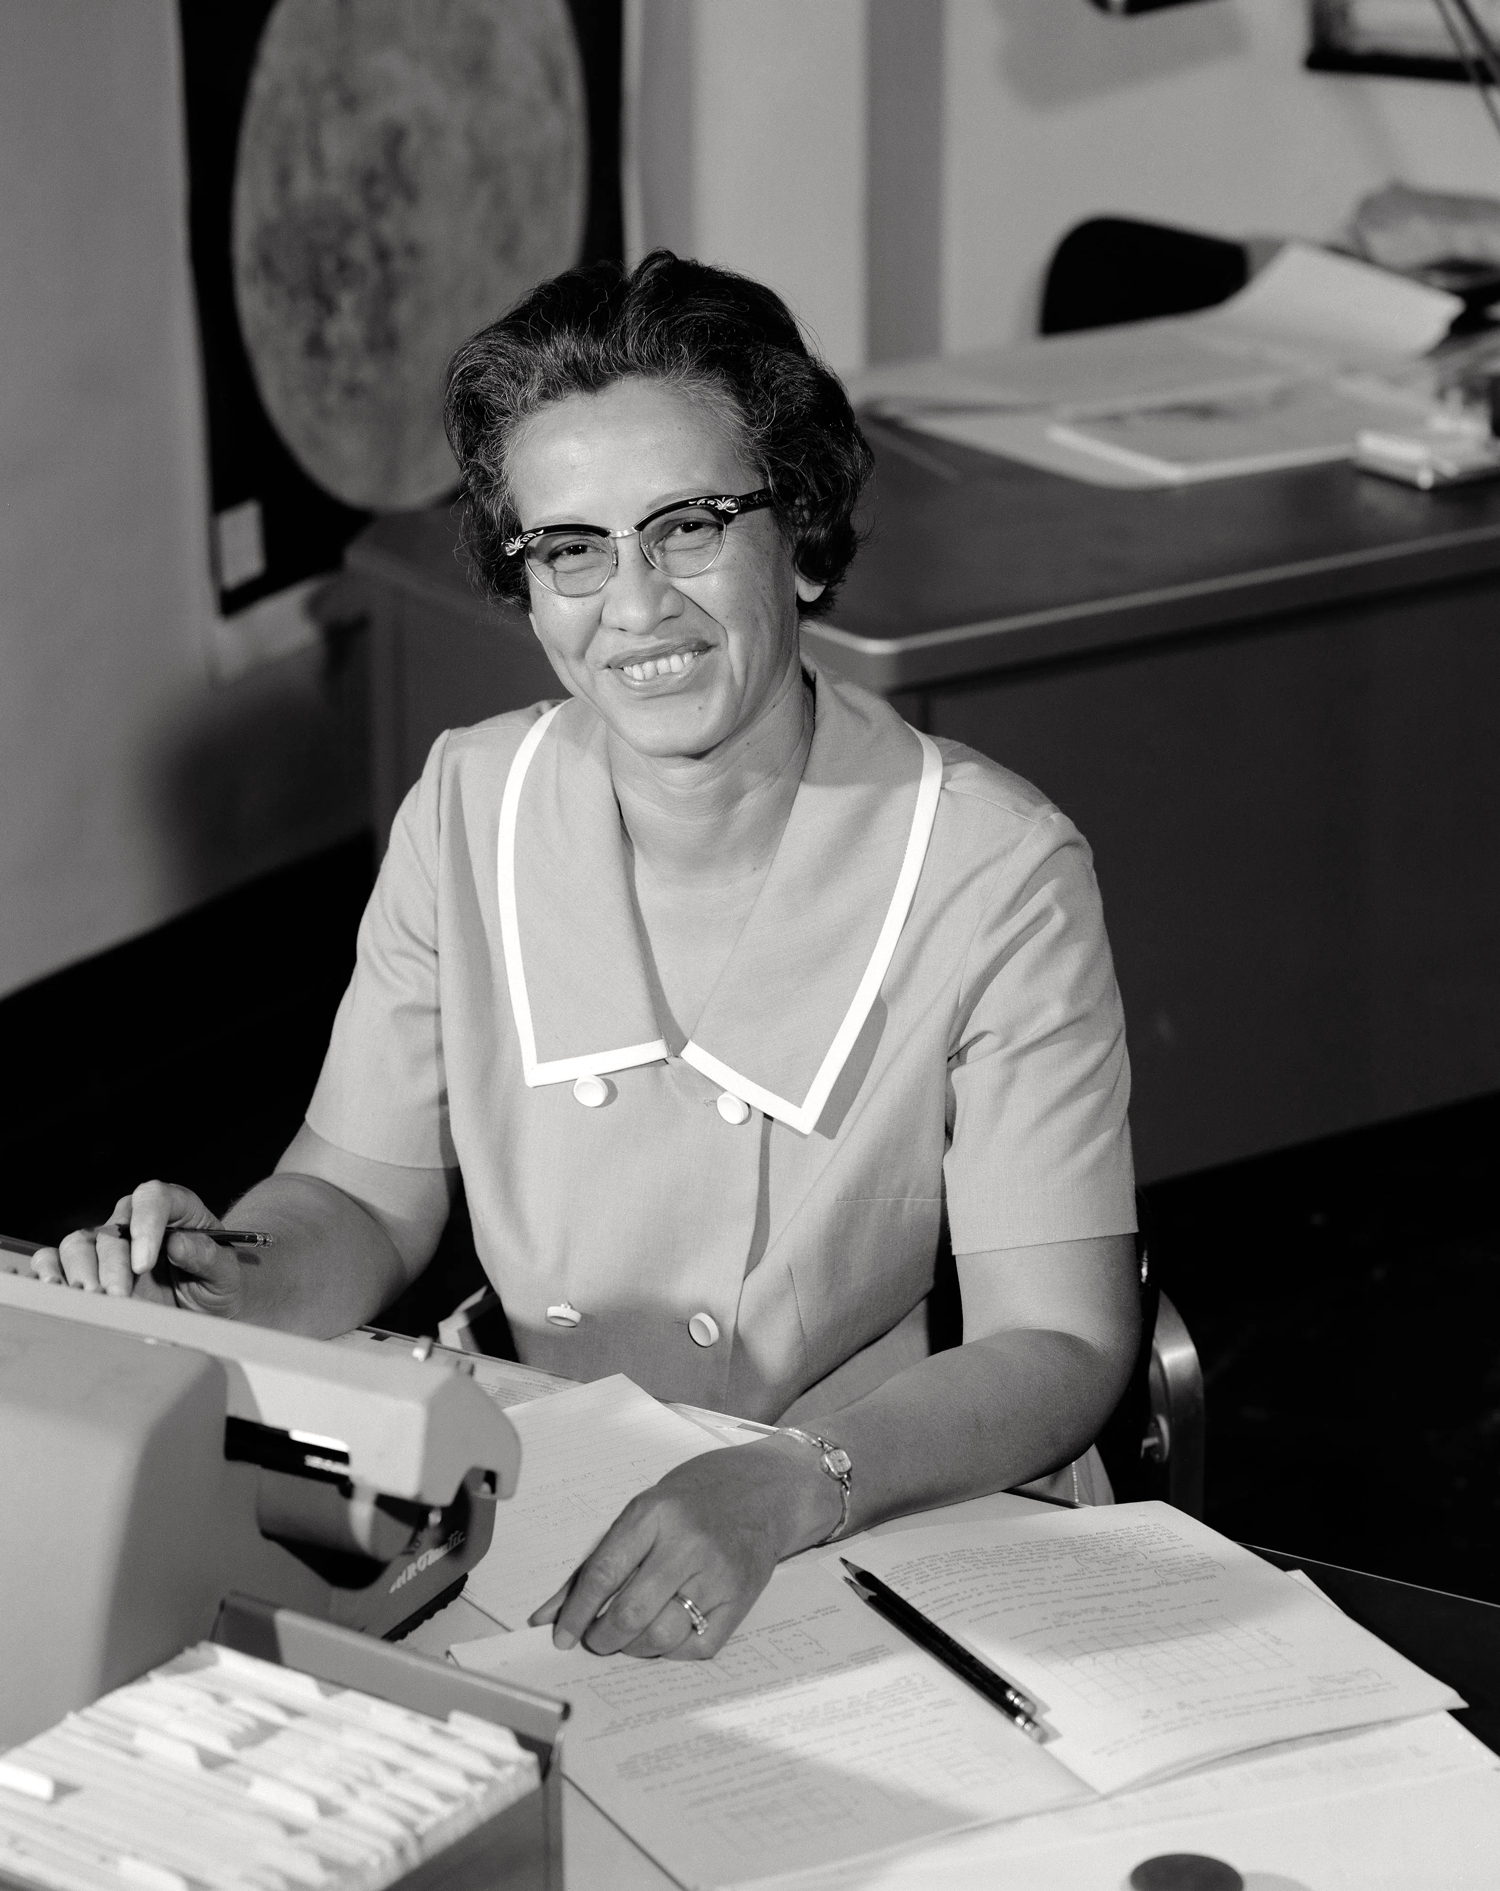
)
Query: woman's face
[{"x": 676, "y": 667}]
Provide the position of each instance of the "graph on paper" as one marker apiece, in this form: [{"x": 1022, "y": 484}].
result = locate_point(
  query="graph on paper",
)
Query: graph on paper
[
  {"x": 1150, "y": 1642},
  {"x": 1107, "y": 1663}
]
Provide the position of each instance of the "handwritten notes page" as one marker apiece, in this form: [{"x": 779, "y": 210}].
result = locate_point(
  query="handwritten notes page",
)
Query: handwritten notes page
[
  {"x": 819, "y": 1733},
  {"x": 1151, "y": 1642},
  {"x": 584, "y": 1454}
]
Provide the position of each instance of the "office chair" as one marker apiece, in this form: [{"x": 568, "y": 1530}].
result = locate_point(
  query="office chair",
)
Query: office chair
[
  {"x": 1152, "y": 1444},
  {"x": 1117, "y": 269}
]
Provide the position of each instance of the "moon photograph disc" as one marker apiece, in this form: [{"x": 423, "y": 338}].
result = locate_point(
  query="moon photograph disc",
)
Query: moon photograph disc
[{"x": 406, "y": 170}]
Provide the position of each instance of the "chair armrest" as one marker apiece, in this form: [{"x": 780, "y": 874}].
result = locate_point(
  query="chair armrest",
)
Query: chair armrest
[{"x": 1177, "y": 1411}]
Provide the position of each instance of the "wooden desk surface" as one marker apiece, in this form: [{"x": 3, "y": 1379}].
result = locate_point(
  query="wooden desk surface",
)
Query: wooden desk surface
[{"x": 1049, "y": 567}]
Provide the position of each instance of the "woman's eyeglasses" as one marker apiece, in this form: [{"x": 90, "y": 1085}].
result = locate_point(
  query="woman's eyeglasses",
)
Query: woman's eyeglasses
[{"x": 681, "y": 541}]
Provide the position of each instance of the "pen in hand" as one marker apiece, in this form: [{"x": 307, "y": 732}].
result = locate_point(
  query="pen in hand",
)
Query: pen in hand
[
  {"x": 1017, "y": 1707},
  {"x": 221, "y": 1237}
]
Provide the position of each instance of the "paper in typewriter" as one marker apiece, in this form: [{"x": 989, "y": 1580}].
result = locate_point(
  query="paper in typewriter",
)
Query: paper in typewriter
[
  {"x": 1151, "y": 1642},
  {"x": 819, "y": 1733}
]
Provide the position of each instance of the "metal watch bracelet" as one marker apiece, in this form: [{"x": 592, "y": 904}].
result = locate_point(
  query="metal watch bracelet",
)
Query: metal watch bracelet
[{"x": 838, "y": 1465}]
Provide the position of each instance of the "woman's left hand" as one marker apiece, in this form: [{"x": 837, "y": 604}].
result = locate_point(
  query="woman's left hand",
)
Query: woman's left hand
[{"x": 711, "y": 1531}]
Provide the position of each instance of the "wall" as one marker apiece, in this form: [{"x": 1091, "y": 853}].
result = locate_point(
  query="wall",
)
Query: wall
[
  {"x": 133, "y": 782},
  {"x": 1198, "y": 115},
  {"x": 902, "y": 169},
  {"x": 749, "y": 129},
  {"x": 802, "y": 144}
]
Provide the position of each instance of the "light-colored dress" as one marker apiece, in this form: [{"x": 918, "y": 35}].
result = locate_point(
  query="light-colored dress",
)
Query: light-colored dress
[{"x": 920, "y": 1017}]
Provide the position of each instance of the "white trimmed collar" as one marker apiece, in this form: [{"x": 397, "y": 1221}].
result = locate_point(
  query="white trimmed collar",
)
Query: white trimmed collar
[{"x": 808, "y": 966}]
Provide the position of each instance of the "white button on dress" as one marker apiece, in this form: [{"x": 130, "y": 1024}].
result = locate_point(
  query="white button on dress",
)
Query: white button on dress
[
  {"x": 563, "y": 1315},
  {"x": 591, "y": 1092},
  {"x": 703, "y": 1329},
  {"x": 733, "y": 1109}
]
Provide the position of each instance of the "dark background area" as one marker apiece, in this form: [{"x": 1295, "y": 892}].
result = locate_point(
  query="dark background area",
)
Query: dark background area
[
  {"x": 305, "y": 528},
  {"x": 1344, "y": 1295}
]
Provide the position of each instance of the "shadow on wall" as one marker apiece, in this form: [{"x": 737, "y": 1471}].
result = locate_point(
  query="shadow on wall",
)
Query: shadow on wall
[
  {"x": 267, "y": 770},
  {"x": 1057, "y": 52}
]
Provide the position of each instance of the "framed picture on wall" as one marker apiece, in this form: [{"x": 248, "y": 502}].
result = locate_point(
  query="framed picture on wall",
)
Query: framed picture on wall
[
  {"x": 1415, "y": 39},
  {"x": 367, "y": 186}
]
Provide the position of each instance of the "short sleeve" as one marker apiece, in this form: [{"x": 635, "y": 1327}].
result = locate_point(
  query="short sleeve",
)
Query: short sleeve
[
  {"x": 383, "y": 1090},
  {"x": 1039, "y": 1079}
]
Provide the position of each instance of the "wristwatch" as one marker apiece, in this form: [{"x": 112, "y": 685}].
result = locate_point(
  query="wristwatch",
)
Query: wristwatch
[{"x": 839, "y": 1466}]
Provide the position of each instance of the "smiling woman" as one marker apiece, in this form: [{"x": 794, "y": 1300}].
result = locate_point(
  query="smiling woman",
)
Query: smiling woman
[
  {"x": 685, "y": 635},
  {"x": 720, "y": 986}
]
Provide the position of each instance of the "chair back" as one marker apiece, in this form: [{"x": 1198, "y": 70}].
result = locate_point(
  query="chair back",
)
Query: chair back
[{"x": 1116, "y": 269}]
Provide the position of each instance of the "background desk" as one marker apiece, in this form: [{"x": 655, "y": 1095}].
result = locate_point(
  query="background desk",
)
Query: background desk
[{"x": 1270, "y": 703}]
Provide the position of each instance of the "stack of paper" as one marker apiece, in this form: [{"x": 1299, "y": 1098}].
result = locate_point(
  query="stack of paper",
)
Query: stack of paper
[
  {"x": 1290, "y": 371},
  {"x": 1151, "y": 1642},
  {"x": 821, "y": 1734}
]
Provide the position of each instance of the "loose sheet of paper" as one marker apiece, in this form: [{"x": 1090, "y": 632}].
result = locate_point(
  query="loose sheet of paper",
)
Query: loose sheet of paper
[
  {"x": 1314, "y": 304},
  {"x": 1382, "y": 1809},
  {"x": 818, "y": 1733},
  {"x": 510, "y": 1384},
  {"x": 1141, "y": 361},
  {"x": 1298, "y": 423},
  {"x": 584, "y": 1454},
  {"x": 1151, "y": 1642}
]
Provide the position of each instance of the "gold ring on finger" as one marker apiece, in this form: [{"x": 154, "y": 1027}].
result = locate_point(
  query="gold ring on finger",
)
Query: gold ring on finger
[{"x": 695, "y": 1615}]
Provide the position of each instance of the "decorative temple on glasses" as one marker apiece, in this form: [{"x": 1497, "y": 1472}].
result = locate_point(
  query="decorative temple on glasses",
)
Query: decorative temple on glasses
[{"x": 679, "y": 540}]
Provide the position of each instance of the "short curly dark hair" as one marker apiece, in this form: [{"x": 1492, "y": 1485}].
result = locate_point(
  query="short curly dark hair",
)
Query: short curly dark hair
[{"x": 707, "y": 331}]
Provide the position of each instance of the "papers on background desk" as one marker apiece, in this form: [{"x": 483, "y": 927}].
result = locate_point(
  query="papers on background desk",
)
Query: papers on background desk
[
  {"x": 820, "y": 1733},
  {"x": 1237, "y": 430},
  {"x": 584, "y": 1454},
  {"x": 1316, "y": 307},
  {"x": 1287, "y": 372}
]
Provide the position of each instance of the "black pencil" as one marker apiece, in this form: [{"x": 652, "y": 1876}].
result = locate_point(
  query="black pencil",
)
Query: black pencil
[
  {"x": 1015, "y": 1705},
  {"x": 222, "y": 1237}
]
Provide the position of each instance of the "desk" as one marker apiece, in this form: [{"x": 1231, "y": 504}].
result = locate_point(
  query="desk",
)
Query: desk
[
  {"x": 1453, "y": 1637},
  {"x": 1269, "y": 702}
]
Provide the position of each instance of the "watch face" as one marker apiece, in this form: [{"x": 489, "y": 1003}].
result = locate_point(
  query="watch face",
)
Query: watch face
[{"x": 839, "y": 1462}]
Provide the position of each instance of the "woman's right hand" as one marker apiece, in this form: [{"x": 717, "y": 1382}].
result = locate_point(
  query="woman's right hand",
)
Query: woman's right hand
[{"x": 162, "y": 1260}]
